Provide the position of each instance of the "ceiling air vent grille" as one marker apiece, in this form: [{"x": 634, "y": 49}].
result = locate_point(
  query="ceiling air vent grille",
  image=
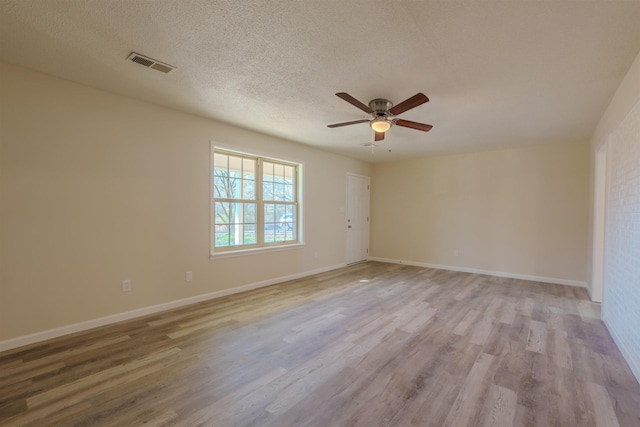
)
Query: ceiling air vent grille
[{"x": 150, "y": 63}]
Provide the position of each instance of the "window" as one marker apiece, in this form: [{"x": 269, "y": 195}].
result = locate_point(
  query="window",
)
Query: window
[{"x": 255, "y": 202}]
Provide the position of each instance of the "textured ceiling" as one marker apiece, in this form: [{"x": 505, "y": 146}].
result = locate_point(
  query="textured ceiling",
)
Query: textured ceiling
[{"x": 498, "y": 73}]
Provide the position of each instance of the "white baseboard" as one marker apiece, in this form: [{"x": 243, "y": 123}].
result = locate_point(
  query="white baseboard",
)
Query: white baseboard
[
  {"x": 634, "y": 364},
  {"x": 487, "y": 272},
  {"x": 119, "y": 317}
]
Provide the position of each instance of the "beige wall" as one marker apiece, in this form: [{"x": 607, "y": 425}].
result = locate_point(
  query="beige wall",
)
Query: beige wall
[
  {"x": 520, "y": 211},
  {"x": 96, "y": 188}
]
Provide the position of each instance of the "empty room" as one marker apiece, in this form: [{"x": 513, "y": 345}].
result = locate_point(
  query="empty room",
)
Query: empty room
[{"x": 319, "y": 213}]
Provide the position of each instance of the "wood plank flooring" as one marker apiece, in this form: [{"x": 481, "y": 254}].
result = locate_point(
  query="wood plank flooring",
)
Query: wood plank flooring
[{"x": 369, "y": 345}]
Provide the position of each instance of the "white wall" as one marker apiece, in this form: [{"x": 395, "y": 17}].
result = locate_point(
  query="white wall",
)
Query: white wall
[
  {"x": 519, "y": 212},
  {"x": 96, "y": 188},
  {"x": 621, "y": 298},
  {"x": 618, "y": 134}
]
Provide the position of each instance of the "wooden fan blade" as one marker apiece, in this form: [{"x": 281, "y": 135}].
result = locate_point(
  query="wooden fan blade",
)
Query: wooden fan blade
[
  {"x": 355, "y": 122},
  {"x": 413, "y": 125},
  {"x": 408, "y": 104},
  {"x": 379, "y": 136},
  {"x": 351, "y": 100}
]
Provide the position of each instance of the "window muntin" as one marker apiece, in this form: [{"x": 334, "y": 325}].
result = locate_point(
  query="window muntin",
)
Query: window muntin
[{"x": 255, "y": 202}]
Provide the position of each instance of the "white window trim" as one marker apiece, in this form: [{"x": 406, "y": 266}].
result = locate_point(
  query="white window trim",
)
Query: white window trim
[{"x": 272, "y": 247}]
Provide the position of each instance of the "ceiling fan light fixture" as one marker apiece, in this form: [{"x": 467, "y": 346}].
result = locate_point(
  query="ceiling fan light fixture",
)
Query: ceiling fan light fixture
[{"x": 380, "y": 125}]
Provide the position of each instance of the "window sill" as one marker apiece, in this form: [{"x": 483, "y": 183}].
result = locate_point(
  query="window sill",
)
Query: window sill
[{"x": 242, "y": 252}]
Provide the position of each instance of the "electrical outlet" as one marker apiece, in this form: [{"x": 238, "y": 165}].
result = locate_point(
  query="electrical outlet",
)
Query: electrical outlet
[
  {"x": 126, "y": 285},
  {"x": 456, "y": 252},
  {"x": 189, "y": 276}
]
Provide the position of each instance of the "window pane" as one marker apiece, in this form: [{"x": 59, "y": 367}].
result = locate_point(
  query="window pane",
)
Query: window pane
[
  {"x": 248, "y": 176},
  {"x": 278, "y": 192},
  {"x": 278, "y": 172},
  {"x": 222, "y": 213},
  {"x": 269, "y": 223},
  {"x": 235, "y": 166},
  {"x": 218, "y": 185},
  {"x": 267, "y": 191},
  {"x": 250, "y": 213},
  {"x": 288, "y": 193},
  {"x": 220, "y": 175},
  {"x": 281, "y": 211},
  {"x": 250, "y": 234},
  {"x": 288, "y": 173},
  {"x": 235, "y": 235},
  {"x": 248, "y": 168},
  {"x": 290, "y": 223},
  {"x": 269, "y": 213},
  {"x": 234, "y": 188},
  {"x": 221, "y": 236},
  {"x": 220, "y": 161},
  {"x": 248, "y": 190},
  {"x": 267, "y": 171},
  {"x": 290, "y": 212},
  {"x": 269, "y": 235}
]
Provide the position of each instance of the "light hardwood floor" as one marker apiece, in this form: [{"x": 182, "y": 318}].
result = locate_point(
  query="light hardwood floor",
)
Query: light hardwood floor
[{"x": 368, "y": 345}]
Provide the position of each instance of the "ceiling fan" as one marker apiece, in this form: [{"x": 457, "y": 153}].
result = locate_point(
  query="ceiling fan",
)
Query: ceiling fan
[{"x": 383, "y": 113}]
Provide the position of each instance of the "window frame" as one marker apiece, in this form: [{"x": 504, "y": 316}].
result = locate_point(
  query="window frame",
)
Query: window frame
[{"x": 260, "y": 245}]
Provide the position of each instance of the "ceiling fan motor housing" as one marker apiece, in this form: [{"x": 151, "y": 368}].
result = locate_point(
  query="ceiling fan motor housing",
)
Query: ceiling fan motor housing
[{"x": 380, "y": 107}]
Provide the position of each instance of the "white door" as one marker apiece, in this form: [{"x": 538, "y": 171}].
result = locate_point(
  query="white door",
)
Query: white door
[{"x": 357, "y": 218}]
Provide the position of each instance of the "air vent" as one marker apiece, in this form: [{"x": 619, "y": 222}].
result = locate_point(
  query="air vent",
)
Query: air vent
[{"x": 150, "y": 63}]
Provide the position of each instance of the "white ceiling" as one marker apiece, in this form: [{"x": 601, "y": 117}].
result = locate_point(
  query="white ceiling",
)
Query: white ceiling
[{"x": 498, "y": 73}]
